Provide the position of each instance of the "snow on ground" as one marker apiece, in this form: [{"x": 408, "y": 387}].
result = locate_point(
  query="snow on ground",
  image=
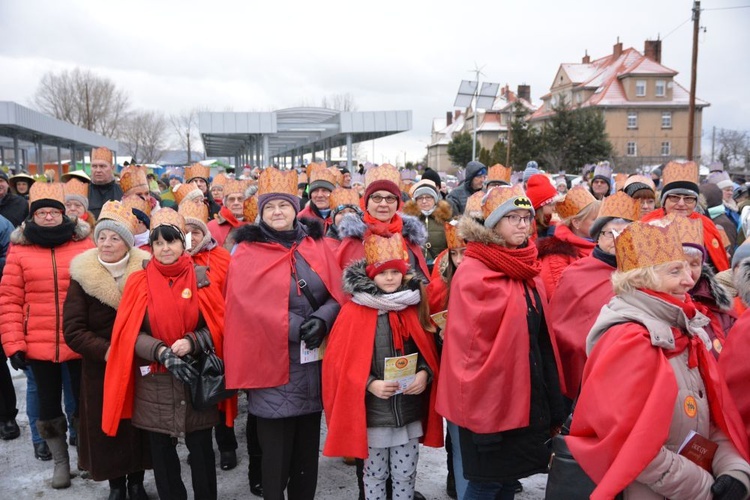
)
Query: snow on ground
[{"x": 24, "y": 477}]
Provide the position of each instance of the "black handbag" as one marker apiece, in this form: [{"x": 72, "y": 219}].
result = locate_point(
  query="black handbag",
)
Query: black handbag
[
  {"x": 209, "y": 388},
  {"x": 566, "y": 480}
]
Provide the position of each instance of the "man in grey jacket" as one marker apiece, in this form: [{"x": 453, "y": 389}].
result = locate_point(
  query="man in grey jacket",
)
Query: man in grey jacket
[{"x": 476, "y": 173}]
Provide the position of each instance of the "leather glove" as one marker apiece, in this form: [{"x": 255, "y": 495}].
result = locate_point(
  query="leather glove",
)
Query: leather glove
[
  {"x": 312, "y": 331},
  {"x": 18, "y": 361},
  {"x": 728, "y": 488},
  {"x": 177, "y": 367},
  {"x": 414, "y": 283}
]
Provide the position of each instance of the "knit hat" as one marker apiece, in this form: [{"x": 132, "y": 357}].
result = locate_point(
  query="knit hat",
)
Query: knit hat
[
  {"x": 721, "y": 179},
  {"x": 46, "y": 195},
  {"x": 425, "y": 186},
  {"x": 433, "y": 176},
  {"x": 636, "y": 183},
  {"x": 502, "y": 199},
  {"x": 617, "y": 206},
  {"x": 116, "y": 217},
  {"x": 4, "y": 175},
  {"x": 76, "y": 190},
  {"x": 712, "y": 195},
  {"x": 273, "y": 184},
  {"x": 532, "y": 168},
  {"x": 680, "y": 178},
  {"x": 741, "y": 253},
  {"x": 384, "y": 177},
  {"x": 541, "y": 191},
  {"x": 382, "y": 253},
  {"x": 603, "y": 171}
]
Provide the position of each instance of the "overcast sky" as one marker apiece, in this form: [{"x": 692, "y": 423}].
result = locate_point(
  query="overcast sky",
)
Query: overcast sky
[{"x": 172, "y": 55}]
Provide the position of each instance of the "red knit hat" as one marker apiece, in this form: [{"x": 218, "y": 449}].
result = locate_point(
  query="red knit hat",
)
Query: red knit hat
[{"x": 540, "y": 191}]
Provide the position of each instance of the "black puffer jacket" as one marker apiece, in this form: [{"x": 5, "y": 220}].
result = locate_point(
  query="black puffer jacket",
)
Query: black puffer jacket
[{"x": 14, "y": 208}]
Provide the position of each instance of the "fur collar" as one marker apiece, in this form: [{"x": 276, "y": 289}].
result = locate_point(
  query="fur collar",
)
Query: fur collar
[
  {"x": 413, "y": 231},
  {"x": 96, "y": 280},
  {"x": 556, "y": 246},
  {"x": 471, "y": 229},
  {"x": 82, "y": 231},
  {"x": 443, "y": 211},
  {"x": 355, "y": 279},
  {"x": 742, "y": 280},
  {"x": 716, "y": 290},
  {"x": 251, "y": 233},
  {"x": 333, "y": 232}
]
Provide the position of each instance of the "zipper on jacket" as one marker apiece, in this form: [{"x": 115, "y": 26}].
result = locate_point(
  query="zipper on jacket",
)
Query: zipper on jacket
[{"x": 57, "y": 307}]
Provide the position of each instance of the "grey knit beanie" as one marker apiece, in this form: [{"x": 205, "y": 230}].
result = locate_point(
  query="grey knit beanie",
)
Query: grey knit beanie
[{"x": 117, "y": 227}]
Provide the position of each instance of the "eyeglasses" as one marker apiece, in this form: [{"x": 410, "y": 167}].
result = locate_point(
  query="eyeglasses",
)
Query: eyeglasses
[
  {"x": 43, "y": 214},
  {"x": 516, "y": 220},
  {"x": 424, "y": 197},
  {"x": 687, "y": 200},
  {"x": 607, "y": 234},
  {"x": 390, "y": 199}
]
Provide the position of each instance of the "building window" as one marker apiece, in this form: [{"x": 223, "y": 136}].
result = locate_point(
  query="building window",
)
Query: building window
[
  {"x": 632, "y": 149},
  {"x": 666, "y": 148},
  {"x": 666, "y": 119},
  {"x": 632, "y": 119},
  {"x": 640, "y": 88},
  {"x": 661, "y": 88}
]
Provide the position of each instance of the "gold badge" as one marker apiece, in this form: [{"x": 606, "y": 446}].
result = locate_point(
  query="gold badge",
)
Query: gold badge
[
  {"x": 717, "y": 345},
  {"x": 690, "y": 406},
  {"x": 715, "y": 243},
  {"x": 186, "y": 293}
]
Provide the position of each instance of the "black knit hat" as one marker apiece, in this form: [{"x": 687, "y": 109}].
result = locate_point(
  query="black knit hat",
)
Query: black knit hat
[{"x": 433, "y": 176}]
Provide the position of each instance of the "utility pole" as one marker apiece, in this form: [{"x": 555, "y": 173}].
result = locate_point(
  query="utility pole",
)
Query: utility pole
[
  {"x": 713, "y": 143},
  {"x": 474, "y": 119},
  {"x": 693, "y": 77}
]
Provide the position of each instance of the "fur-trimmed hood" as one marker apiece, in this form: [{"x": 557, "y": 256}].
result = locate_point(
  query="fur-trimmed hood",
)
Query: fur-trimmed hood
[
  {"x": 82, "y": 231},
  {"x": 708, "y": 287},
  {"x": 443, "y": 211},
  {"x": 413, "y": 231},
  {"x": 472, "y": 230},
  {"x": 355, "y": 279},
  {"x": 252, "y": 233},
  {"x": 742, "y": 280},
  {"x": 96, "y": 280},
  {"x": 556, "y": 246},
  {"x": 333, "y": 232}
]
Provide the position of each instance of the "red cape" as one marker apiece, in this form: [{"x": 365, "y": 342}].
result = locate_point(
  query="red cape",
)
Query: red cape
[
  {"x": 583, "y": 289},
  {"x": 308, "y": 213},
  {"x": 217, "y": 261},
  {"x": 257, "y": 309},
  {"x": 119, "y": 377},
  {"x": 222, "y": 225},
  {"x": 485, "y": 363},
  {"x": 711, "y": 238},
  {"x": 621, "y": 422},
  {"x": 733, "y": 364},
  {"x": 437, "y": 289},
  {"x": 346, "y": 369}
]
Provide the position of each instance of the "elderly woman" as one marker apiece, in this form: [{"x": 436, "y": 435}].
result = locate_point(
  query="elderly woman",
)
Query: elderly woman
[
  {"x": 98, "y": 278},
  {"x": 32, "y": 293},
  {"x": 433, "y": 212},
  {"x": 147, "y": 374},
  {"x": 274, "y": 330},
  {"x": 343, "y": 201},
  {"x": 507, "y": 351},
  {"x": 571, "y": 240},
  {"x": 77, "y": 201},
  {"x": 649, "y": 384}
]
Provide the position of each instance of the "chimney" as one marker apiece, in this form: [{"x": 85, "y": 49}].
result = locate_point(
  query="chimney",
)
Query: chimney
[
  {"x": 448, "y": 118},
  {"x": 456, "y": 114},
  {"x": 524, "y": 92},
  {"x": 586, "y": 59},
  {"x": 617, "y": 49},
  {"x": 652, "y": 50}
]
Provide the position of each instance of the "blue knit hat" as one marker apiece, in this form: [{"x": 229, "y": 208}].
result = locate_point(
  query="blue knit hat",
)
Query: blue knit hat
[{"x": 532, "y": 168}]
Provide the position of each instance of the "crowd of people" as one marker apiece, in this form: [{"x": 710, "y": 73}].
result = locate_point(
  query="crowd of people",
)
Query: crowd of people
[{"x": 486, "y": 319}]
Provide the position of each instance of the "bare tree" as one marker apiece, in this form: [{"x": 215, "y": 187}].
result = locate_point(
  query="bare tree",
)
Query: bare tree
[
  {"x": 84, "y": 99},
  {"x": 144, "y": 136},
  {"x": 185, "y": 125},
  {"x": 734, "y": 148}
]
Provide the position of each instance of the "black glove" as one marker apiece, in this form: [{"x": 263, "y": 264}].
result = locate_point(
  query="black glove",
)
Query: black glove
[
  {"x": 179, "y": 368},
  {"x": 18, "y": 361},
  {"x": 312, "y": 331},
  {"x": 414, "y": 283},
  {"x": 728, "y": 488}
]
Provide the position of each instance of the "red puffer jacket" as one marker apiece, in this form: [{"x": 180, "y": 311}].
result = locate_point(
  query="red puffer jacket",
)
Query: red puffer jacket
[{"x": 32, "y": 293}]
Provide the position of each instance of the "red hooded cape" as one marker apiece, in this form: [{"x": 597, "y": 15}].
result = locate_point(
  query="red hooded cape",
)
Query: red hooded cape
[
  {"x": 217, "y": 261},
  {"x": 346, "y": 369},
  {"x": 119, "y": 377},
  {"x": 222, "y": 225},
  {"x": 733, "y": 364},
  {"x": 583, "y": 289},
  {"x": 485, "y": 362},
  {"x": 711, "y": 237},
  {"x": 437, "y": 289},
  {"x": 621, "y": 422},
  {"x": 257, "y": 309},
  {"x": 557, "y": 252}
]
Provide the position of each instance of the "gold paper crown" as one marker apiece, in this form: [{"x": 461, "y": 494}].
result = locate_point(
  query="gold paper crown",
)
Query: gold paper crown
[
  {"x": 197, "y": 170},
  {"x": 314, "y": 167},
  {"x": 452, "y": 237},
  {"x": 379, "y": 250},
  {"x": 620, "y": 206},
  {"x": 133, "y": 176},
  {"x": 250, "y": 209},
  {"x": 273, "y": 180},
  {"x": 138, "y": 203},
  {"x": 198, "y": 211},
  {"x": 620, "y": 180},
  {"x": 690, "y": 230},
  {"x": 498, "y": 172},
  {"x": 119, "y": 212},
  {"x": 74, "y": 187},
  {"x": 500, "y": 194},
  {"x": 168, "y": 217},
  {"x": 101, "y": 154},
  {"x": 342, "y": 196},
  {"x": 680, "y": 172},
  {"x": 384, "y": 172},
  {"x": 324, "y": 174},
  {"x": 644, "y": 245},
  {"x": 220, "y": 180},
  {"x": 474, "y": 205},
  {"x": 47, "y": 191},
  {"x": 337, "y": 175},
  {"x": 576, "y": 200},
  {"x": 234, "y": 187},
  {"x": 302, "y": 178},
  {"x": 186, "y": 191}
]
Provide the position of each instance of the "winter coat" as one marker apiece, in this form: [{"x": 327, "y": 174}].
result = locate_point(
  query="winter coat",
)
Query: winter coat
[
  {"x": 311, "y": 212},
  {"x": 32, "y": 293},
  {"x": 6, "y": 228},
  {"x": 14, "y": 208},
  {"x": 435, "y": 225},
  {"x": 88, "y": 317},
  {"x": 558, "y": 252},
  {"x": 99, "y": 194},
  {"x": 715, "y": 302},
  {"x": 723, "y": 222},
  {"x": 640, "y": 327},
  {"x": 458, "y": 196}
]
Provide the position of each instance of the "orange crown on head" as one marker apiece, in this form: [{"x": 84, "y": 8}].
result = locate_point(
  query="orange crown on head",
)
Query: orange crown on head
[
  {"x": 498, "y": 172},
  {"x": 74, "y": 187},
  {"x": 676, "y": 171},
  {"x": 500, "y": 194},
  {"x": 198, "y": 211},
  {"x": 326, "y": 175},
  {"x": 643, "y": 245},
  {"x": 575, "y": 200},
  {"x": 620, "y": 180},
  {"x": 474, "y": 205},
  {"x": 384, "y": 172},
  {"x": 47, "y": 191},
  {"x": 133, "y": 176},
  {"x": 168, "y": 217},
  {"x": 620, "y": 206},
  {"x": 342, "y": 196},
  {"x": 379, "y": 249},
  {"x": 452, "y": 237},
  {"x": 690, "y": 230},
  {"x": 138, "y": 203},
  {"x": 337, "y": 175},
  {"x": 273, "y": 180},
  {"x": 314, "y": 167},
  {"x": 186, "y": 191},
  {"x": 234, "y": 187},
  {"x": 250, "y": 209},
  {"x": 197, "y": 170},
  {"x": 220, "y": 180},
  {"x": 119, "y": 212},
  {"x": 101, "y": 154}
]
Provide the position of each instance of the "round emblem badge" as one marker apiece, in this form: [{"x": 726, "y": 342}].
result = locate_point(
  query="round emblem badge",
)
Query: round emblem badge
[
  {"x": 690, "y": 407},
  {"x": 186, "y": 293},
  {"x": 715, "y": 243},
  {"x": 717, "y": 345}
]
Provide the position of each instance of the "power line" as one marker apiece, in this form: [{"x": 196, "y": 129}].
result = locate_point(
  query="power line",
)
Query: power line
[
  {"x": 729, "y": 8},
  {"x": 678, "y": 27}
]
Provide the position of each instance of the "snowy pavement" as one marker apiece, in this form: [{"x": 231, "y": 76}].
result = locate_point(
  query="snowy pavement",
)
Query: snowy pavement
[{"x": 24, "y": 477}]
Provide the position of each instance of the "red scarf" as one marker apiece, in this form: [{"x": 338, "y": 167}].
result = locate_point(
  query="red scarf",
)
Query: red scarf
[
  {"x": 172, "y": 301},
  {"x": 228, "y": 216},
  {"x": 516, "y": 263},
  {"x": 385, "y": 229}
]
